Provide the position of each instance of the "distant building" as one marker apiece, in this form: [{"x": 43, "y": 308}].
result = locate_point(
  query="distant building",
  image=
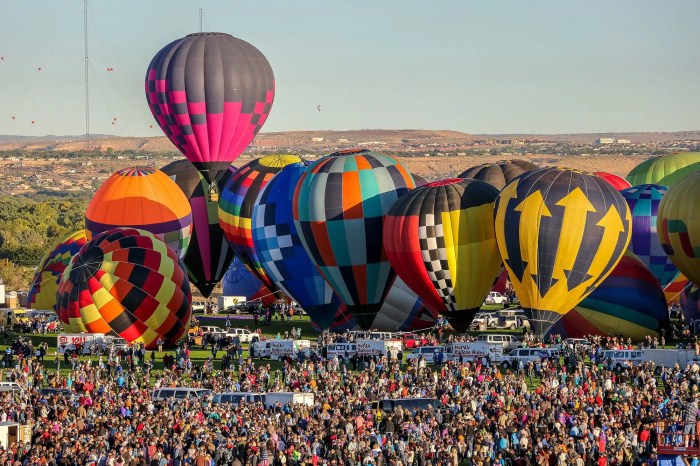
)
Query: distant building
[
  {"x": 605, "y": 141},
  {"x": 316, "y": 139},
  {"x": 622, "y": 141}
]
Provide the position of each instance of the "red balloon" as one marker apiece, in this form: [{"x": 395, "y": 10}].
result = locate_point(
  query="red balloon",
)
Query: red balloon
[{"x": 617, "y": 182}]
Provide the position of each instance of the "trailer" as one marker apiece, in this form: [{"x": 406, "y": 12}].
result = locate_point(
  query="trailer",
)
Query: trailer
[{"x": 84, "y": 342}]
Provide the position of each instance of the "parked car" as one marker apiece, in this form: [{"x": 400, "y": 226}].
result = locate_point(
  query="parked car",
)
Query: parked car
[
  {"x": 245, "y": 335},
  {"x": 199, "y": 306},
  {"x": 411, "y": 340},
  {"x": 513, "y": 322},
  {"x": 494, "y": 297},
  {"x": 488, "y": 318}
]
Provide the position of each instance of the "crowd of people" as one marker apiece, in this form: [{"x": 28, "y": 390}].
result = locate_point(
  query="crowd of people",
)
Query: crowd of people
[{"x": 554, "y": 412}]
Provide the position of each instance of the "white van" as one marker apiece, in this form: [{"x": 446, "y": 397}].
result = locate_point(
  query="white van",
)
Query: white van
[
  {"x": 381, "y": 336},
  {"x": 272, "y": 398},
  {"x": 10, "y": 387},
  {"x": 528, "y": 355},
  {"x": 341, "y": 350},
  {"x": 508, "y": 342},
  {"x": 620, "y": 358},
  {"x": 179, "y": 393},
  {"x": 429, "y": 353},
  {"x": 236, "y": 397}
]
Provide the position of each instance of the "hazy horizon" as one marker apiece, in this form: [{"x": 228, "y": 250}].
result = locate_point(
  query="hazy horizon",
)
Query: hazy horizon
[{"x": 489, "y": 68}]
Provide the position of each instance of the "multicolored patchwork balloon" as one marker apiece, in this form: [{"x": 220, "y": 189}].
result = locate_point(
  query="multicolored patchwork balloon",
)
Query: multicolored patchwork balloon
[
  {"x": 628, "y": 302},
  {"x": 339, "y": 207},
  {"x": 143, "y": 198},
  {"x": 208, "y": 254},
  {"x": 42, "y": 294},
  {"x": 236, "y": 208},
  {"x": 643, "y": 201},
  {"x": 499, "y": 174},
  {"x": 437, "y": 236},
  {"x": 673, "y": 290},
  {"x": 560, "y": 233},
  {"x": 678, "y": 225},
  {"x": 210, "y": 93},
  {"x": 128, "y": 283},
  {"x": 281, "y": 252}
]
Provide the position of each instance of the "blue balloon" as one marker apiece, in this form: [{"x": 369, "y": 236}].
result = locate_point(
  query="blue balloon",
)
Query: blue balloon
[
  {"x": 281, "y": 252},
  {"x": 239, "y": 281}
]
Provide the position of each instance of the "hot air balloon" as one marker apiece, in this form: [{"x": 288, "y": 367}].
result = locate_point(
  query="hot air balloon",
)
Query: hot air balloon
[
  {"x": 673, "y": 290},
  {"x": 419, "y": 180},
  {"x": 690, "y": 303},
  {"x": 678, "y": 225},
  {"x": 339, "y": 206},
  {"x": 144, "y": 198},
  {"x": 436, "y": 236},
  {"x": 210, "y": 93},
  {"x": 42, "y": 294},
  {"x": 560, "y": 232},
  {"x": 281, "y": 254},
  {"x": 643, "y": 201},
  {"x": 665, "y": 170},
  {"x": 500, "y": 173},
  {"x": 401, "y": 311},
  {"x": 628, "y": 302},
  {"x": 128, "y": 283},
  {"x": 239, "y": 281},
  {"x": 236, "y": 208},
  {"x": 617, "y": 182},
  {"x": 208, "y": 254}
]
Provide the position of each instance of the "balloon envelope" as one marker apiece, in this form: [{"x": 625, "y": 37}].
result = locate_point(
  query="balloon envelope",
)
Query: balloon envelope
[
  {"x": 437, "y": 236},
  {"x": 673, "y": 290},
  {"x": 143, "y": 198},
  {"x": 128, "y": 283},
  {"x": 617, "y": 182},
  {"x": 401, "y": 311},
  {"x": 281, "y": 253},
  {"x": 339, "y": 207},
  {"x": 236, "y": 208},
  {"x": 643, "y": 201},
  {"x": 665, "y": 170},
  {"x": 210, "y": 93},
  {"x": 690, "y": 303},
  {"x": 628, "y": 302},
  {"x": 560, "y": 233},
  {"x": 499, "y": 174},
  {"x": 208, "y": 254},
  {"x": 42, "y": 294},
  {"x": 678, "y": 225},
  {"x": 239, "y": 281}
]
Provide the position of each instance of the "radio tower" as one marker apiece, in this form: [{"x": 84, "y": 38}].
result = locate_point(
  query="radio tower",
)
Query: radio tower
[{"x": 87, "y": 75}]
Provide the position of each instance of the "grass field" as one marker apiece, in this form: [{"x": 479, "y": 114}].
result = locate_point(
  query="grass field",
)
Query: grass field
[{"x": 197, "y": 354}]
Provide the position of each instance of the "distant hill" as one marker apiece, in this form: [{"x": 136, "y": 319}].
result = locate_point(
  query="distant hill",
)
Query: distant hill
[
  {"x": 321, "y": 139},
  {"x": 588, "y": 138}
]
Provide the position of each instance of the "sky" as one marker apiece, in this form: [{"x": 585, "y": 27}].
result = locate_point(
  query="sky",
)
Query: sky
[{"x": 488, "y": 66}]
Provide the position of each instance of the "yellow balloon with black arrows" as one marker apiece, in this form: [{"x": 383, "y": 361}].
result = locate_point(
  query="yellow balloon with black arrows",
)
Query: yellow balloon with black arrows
[{"x": 560, "y": 233}]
